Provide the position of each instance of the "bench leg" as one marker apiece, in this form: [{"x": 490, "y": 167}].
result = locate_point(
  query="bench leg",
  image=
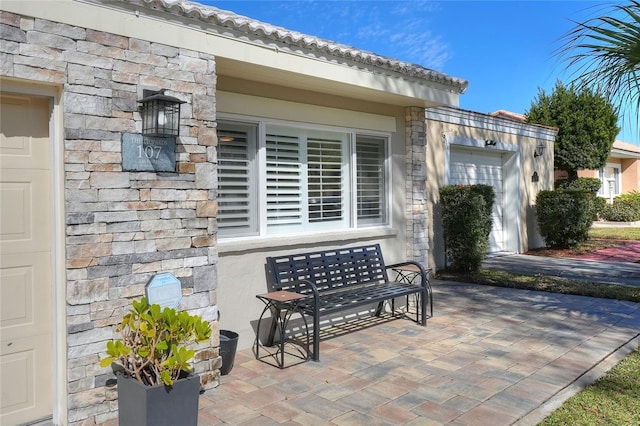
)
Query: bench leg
[
  {"x": 316, "y": 337},
  {"x": 379, "y": 308}
]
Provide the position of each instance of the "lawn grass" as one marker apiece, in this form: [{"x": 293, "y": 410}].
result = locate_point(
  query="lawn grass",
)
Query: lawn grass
[
  {"x": 546, "y": 283},
  {"x": 622, "y": 233},
  {"x": 614, "y": 399}
]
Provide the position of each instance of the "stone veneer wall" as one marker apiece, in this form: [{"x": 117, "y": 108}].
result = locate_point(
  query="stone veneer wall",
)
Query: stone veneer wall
[
  {"x": 123, "y": 227},
  {"x": 416, "y": 164}
]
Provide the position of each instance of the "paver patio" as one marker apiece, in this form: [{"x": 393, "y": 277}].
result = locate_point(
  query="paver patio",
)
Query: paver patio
[{"x": 490, "y": 356}]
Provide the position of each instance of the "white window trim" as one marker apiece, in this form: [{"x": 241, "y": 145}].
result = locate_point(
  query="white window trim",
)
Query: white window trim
[
  {"x": 605, "y": 184},
  {"x": 352, "y": 231}
]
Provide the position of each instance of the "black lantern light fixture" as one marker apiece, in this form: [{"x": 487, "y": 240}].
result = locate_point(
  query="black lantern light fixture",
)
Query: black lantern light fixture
[
  {"x": 160, "y": 114},
  {"x": 539, "y": 150}
]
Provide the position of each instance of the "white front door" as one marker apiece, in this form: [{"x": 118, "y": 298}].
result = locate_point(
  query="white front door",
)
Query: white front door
[
  {"x": 472, "y": 167},
  {"x": 25, "y": 260}
]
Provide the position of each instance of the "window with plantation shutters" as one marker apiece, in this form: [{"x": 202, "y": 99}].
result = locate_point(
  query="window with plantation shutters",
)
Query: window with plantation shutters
[
  {"x": 284, "y": 181},
  {"x": 370, "y": 175},
  {"x": 237, "y": 180},
  {"x": 325, "y": 179},
  {"x": 277, "y": 180}
]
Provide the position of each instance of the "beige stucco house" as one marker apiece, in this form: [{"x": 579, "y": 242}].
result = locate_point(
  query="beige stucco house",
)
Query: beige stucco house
[
  {"x": 286, "y": 142},
  {"x": 621, "y": 173}
]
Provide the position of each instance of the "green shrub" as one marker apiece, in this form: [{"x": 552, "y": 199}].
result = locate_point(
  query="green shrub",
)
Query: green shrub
[
  {"x": 564, "y": 217},
  {"x": 466, "y": 221},
  {"x": 591, "y": 185},
  {"x": 619, "y": 212},
  {"x": 632, "y": 199},
  {"x": 599, "y": 204}
]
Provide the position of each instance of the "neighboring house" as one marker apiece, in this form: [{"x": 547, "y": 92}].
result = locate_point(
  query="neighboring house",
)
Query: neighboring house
[
  {"x": 286, "y": 142},
  {"x": 621, "y": 173}
]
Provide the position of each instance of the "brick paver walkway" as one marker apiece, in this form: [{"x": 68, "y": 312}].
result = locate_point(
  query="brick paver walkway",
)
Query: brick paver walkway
[{"x": 490, "y": 356}]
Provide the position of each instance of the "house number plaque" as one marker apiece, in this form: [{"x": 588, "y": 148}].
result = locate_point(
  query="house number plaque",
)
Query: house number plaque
[
  {"x": 148, "y": 154},
  {"x": 165, "y": 290}
]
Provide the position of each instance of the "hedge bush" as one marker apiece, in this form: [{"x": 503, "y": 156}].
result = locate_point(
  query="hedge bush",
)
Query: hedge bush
[
  {"x": 466, "y": 221},
  {"x": 591, "y": 185},
  {"x": 631, "y": 198},
  {"x": 599, "y": 205},
  {"x": 625, "y": 208},
  {"x": 564, "y": 217},
  {"x": 619, "y": 212}
]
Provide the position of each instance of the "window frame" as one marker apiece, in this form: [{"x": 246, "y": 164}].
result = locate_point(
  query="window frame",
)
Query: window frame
[
  {"x": 604, "y": 188},
  {"x": 351, "y": 223}
]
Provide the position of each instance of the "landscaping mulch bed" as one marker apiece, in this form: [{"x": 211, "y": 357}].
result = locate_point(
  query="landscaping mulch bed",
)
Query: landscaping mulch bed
[{"x": 603, "y": 249}]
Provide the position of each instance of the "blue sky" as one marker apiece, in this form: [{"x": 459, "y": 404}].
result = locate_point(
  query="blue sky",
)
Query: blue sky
[{"x": 505, "y": 49}]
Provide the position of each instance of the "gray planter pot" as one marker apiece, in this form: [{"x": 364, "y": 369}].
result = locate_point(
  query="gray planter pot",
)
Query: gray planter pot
[
  {"x": 140, "y": 405},
  {"x": 228, "y": 346}
]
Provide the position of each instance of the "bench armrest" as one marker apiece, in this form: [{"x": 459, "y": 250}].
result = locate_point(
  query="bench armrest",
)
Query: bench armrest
[
  {"x": 423, "y": 272},
  {"x": 304, "y": 283}
]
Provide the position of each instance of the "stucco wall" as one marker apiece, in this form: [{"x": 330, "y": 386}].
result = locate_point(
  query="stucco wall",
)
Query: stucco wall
[
  {"x": 241, "y": 269},
  {"x": 517, "y": 143}
]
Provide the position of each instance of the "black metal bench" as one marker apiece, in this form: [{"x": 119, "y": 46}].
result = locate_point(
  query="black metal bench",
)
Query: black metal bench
[{"x": 345, "y": 278}]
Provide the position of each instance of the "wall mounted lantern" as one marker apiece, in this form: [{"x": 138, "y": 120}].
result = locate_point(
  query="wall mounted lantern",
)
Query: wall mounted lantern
[
  {"x": 160, "y": 114},
  {"x": 539, "y": 150}
]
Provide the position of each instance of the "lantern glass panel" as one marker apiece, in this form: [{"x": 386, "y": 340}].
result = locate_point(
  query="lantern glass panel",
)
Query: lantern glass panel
[{"x": 160, "y": 118}]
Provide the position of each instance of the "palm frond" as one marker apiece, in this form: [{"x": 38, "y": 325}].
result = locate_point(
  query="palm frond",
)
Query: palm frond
[{"x": 603, "y": 54}]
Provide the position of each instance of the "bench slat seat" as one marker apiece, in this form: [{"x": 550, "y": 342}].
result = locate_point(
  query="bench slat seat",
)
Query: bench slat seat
[
  {"x": 341, "y": 279},
  {"x": 351, "y": 298}
]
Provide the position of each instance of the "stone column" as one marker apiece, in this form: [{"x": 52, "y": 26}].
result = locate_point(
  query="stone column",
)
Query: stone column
[{"x": 416, "y": 199}]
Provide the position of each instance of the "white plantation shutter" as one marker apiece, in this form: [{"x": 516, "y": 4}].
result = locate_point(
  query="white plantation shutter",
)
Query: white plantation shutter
[
  {"x": 284, "y": 181},
  {"x": 370, "y": 176},
  {"x": 236, "y": 180},
  {"x": 325, "y": 180},
  {"x": 275, "y": 180}
]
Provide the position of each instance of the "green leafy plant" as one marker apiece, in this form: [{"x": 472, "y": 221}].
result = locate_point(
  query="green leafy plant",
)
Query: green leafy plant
[
  {"x": 620, "y": 211},
  {"x": 586, "y": 122},
  {"x": 153, "y": 348},
  {"x": 591, "y": 185},
  {"x": 564, "y": 217},
  {"x": 466, "y": 221}
]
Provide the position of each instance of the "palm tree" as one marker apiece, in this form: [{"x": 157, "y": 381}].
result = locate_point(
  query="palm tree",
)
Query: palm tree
[{"x": 604, "y": 53}]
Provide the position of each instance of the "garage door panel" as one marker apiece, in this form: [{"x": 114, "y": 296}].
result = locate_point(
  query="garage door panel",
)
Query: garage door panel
[
  {"x": 25, "y": 290},
  {"x": 25, "y": 225},
  {"x": 480, "y": 168},
  {"x": 24, "y": 146},
  {"x": 25, "y": 395}
]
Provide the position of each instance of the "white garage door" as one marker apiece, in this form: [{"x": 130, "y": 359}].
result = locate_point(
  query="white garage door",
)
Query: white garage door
[
  {"x": 471, "y": 167},
  {"x": 25, "y": 260}
]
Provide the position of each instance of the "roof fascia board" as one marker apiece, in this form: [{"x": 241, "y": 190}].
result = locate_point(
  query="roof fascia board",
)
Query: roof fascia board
[
  {"x": 619, "y": 153},
  {"x": 487, "y": 122}
]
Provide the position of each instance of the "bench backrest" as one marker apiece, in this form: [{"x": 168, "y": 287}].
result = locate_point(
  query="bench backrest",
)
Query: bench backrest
[{"x": 329, "y": 269}]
